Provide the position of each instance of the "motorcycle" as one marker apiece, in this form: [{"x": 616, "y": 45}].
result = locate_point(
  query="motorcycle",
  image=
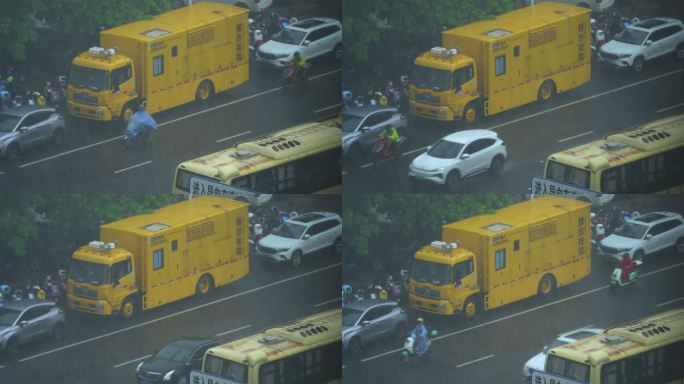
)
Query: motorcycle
[
  {"x": 616, "y": 277},
  {"x": 382, "y": 151},
  {"x": 291, "y": 78},
  {"x": 139, "y": 128},
  {"x": 410, "y": 351}
]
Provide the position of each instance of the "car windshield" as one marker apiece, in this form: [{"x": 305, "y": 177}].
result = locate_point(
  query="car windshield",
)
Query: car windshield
[
  {"x": 289, "y": 36},
  {"x": 87, "y": 272},
  {"x": 435, "y": 273},
  {"x": 8, "y": 122},
  {"x": 444, "y": 149},
  {"x": 8, "y": 316},
  {"x": 435, "y": 79},
  {"x": 350, "y": 122},
  {"x": 289, "y": 230},
  {"x": 631, "y": 230},
  {"x": 631, "y": 36},
  {"x": 91, "y": 78},
  {"x": 174, "y": 353},
  {"x": 350, "y": 316}
]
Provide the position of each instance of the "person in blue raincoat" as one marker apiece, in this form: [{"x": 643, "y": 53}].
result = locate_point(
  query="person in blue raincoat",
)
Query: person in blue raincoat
[
  {"x": 420, "y": 334},
  {"x": 139, "y": 122}
]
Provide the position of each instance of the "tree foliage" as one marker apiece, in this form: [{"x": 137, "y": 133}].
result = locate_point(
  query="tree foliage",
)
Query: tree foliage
[
  {"x": 410, "y": 22},
  {"x": 417, "y": 217},
  {"x": 74, "y": 20}
]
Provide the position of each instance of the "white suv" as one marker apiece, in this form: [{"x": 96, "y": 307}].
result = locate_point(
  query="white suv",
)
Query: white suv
[
  {"x": 644, "y": 41},
  {"x": 460, "y": 155},
  {"x": 300, "y": 236},
  {"x": 310, "y": 37},
  {"x": 644, "y": 235}
]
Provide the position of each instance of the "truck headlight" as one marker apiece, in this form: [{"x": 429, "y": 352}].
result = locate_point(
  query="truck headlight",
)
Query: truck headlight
[
  {"x": 442, "y": 112},
  {"x": 100, "y": 111},
  {"x": 442, "y": 307},
  {"x": 99, "y": 307},
  {"x": 169, "y": 375}
]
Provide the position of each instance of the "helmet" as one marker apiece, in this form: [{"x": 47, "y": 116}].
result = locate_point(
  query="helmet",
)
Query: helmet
[
  {"x": 296, "y": 54},
  {"x": 420, "y": 320},
  {"x": 625, "y": 255}
]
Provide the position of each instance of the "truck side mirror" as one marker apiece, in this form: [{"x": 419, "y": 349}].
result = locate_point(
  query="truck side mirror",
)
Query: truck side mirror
[
  {"x": 116, "y": 89},
  {"x": 458, "y": 283}
]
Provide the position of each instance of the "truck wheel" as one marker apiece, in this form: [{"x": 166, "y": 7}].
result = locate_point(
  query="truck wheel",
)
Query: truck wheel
[
  {"x": 546, "y": 91},
  {"x": 128, "y": 308},
  {"x": 638, "y": 64},
  {"x": 546, "y": 285},
  {"x": 204, "y": 91},
  {"x": 296, "y": 258},
  {"x": 470, "y": 113},
  {"x": 204, "y": 285},
  {"x": 127, "y": 111},
  {"x": 470, "y": 308},
  {"x": 679, "y": 246}
]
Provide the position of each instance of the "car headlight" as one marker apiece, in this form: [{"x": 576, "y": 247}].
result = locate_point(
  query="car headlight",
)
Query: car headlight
[
  {"x": 623, "y": 55},
  {"x": 282, "y": 55},
  {"x": 169, "y": 375},
  {"x": 137, "y": 369},
  {"x": 282, "y": 249},
  {"x": 441, "y": 169}
]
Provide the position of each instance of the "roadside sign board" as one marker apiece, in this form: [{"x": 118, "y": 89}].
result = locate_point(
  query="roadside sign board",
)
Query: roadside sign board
[
  {"x": 544, "y": 186},
  {"x": 204, "y": 186},
  {"x": 546, "y": 378},
  {"x": 197, "y": 377}
]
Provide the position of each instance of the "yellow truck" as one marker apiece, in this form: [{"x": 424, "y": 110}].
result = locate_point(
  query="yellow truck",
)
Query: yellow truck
[
  {"x": 145, "y": 261},
  {"x": 487, "y": 261},
  {"x": 179, "y": 56},
  {"x": 492, "y": 66}
]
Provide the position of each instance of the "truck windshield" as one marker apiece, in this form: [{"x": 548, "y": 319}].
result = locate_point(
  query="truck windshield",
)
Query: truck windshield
[
  {"x": 87, "y": 272},
  {"x": 429, "y": 272},
  {"x": 227, "y": 369},
  {"x": 435, "y": 79},
  {"x": 91, "y": 78}
]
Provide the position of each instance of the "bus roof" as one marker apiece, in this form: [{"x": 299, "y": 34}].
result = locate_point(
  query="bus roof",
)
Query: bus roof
[
  {"x": 622, "y": 147},
  {"x": 269, "y": 150},
  {"x": 284, "y": 339},
  {"x": 520, "y": 20},
  {"x": 514, "y": 216},
  {"x": 626, "y": 339},
  {"x": 181, "y": 19}
]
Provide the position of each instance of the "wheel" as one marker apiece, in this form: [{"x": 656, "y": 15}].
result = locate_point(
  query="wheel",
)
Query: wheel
[
  {"x": 128, "y": 308},
  {"x": 204, "y": 91},
  {"x": 338, "y": 52},
  {"x": 12, "y": 152},
  {"x": 12, "y": 346},
  {"x": 204, "y": 285},
  {"x": 355, "y": 152},
  {"x": 58, "y": 331},
  {"x": 679, "y": 246},
  {"x": 470, "y": 308},
  {"x": 296, "y": 258},
  {"x": 546, "y": 91},
  {"x": 470, "y": 113},
  {"x": 127, "y": 111},
  {"x": 497, "y": 165},
  {"x": 453, "y": 181},
  {"x": 638, "y": 64},
  {"x": 58, "y": 137},
  {"x": 337, "y": 247},
  {"x": 679, "y": 52},
  {"x": 399, "y": 333},
  {"x": 639, "y": 255},
  {"x": 546, "y": 285},
  {"x": 355, "y": 346}
]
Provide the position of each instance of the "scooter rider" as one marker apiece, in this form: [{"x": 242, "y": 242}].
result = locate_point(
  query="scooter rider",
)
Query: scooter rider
[
  {"x": 420, "y": 334},
  {"x": 392, "y": 136},
  {"x": 299, "y": 62},
  {"x": 626, "y": 266}
]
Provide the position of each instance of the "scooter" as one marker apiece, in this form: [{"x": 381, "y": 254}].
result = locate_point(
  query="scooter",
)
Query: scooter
[
  {"x": 380, "y": 150},
  {"x": 616, "y": 281},
  {"x": 290, "y": 78},
  {"x": 139, "y": 128},
  {"x": 410, "y": 350}
]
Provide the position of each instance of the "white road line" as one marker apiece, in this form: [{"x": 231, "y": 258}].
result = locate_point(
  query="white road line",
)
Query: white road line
[
  {"x": 327, "y": 302},
  {"x": 133, "y": 166},
  {"x": 576, "y": 136},
  {"x": 2, "y": 173},
  {"x": 232, "y": 137},
  {"x": 175, "y": 120},
  {"x": 326, "y": 108},
  {"x": 668, "y": 108},
  {"x": 234, "y": 330},
  {"x": 522, "y": 313},
  {"x": 415, "y": 150},
  {"x": 670, "y": 302},
  {"x": 181, "y": 312},
  {"x": 474, "y": 361},
  {"x": 132, "y": 361}
]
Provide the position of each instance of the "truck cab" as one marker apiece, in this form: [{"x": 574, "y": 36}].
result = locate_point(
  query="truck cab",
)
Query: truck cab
[
  {"x": 443, "y": 86},
  {"x": 443, "y": 280},
  {"x": 101, "y": 85},
  {"x": 102, "y": 280}
]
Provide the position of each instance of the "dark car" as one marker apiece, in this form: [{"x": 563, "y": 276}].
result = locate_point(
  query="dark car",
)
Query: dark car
[{"x": 173, "y": 363}]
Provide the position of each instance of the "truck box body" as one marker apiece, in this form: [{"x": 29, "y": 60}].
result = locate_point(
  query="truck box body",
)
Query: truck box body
[{"x": 519, "y": 244}]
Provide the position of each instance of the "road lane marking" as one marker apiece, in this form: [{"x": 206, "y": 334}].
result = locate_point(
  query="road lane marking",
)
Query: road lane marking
[
  {"x": 474, "y": 361},
  {"x": 234, "y": 330},
  {"x": 327, "y": 302},
  {"x": 670, "y": 302},
  {"x": 175, "y": 120},
  {"x": 132, "y": 361},
  {"x": 668, "y": 108},
  {"x": 576, "y": 136},
  {"x": 326, "y": 108},
  {"x": 521, "y": 313},
  {"x": 133, "y": 166},
  {"x": 182, "y": 312},
  {"x": 232, "y": 137}
]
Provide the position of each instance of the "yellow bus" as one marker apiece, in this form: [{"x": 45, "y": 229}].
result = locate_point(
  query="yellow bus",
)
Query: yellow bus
[
  {"x": 643, "y": 159},
  {"x": 650, "y": 350},
  {"x": 302, "y": 159},
  {"x": 308, "y": 350}
]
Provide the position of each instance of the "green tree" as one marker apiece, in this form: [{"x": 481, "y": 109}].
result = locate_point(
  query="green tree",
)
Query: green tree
[{"x": 411, "y": 22}]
